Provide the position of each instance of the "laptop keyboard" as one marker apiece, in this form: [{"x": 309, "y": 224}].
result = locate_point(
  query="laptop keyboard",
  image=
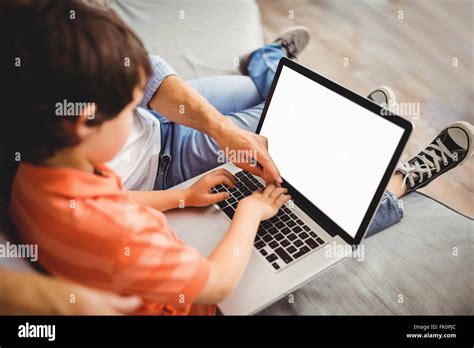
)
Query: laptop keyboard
[{"x": 281, "y": 240}]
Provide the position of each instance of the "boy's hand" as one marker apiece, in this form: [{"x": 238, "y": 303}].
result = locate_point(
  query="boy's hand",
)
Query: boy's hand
[
  {"x": 198, "y": 195},
  {"x": 266, "y": 203}
]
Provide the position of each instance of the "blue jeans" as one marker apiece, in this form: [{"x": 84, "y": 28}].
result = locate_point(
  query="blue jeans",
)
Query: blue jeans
[{"x": 187, "y": 152}]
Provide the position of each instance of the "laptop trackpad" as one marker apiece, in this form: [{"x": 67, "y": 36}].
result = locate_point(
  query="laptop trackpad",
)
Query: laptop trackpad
[{"x": 202, "y": 228}]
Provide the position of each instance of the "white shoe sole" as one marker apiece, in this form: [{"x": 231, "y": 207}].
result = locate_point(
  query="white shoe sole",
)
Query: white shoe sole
[
  {"x": 469, "y": 129},
  {"x": 295, "y": 27},
  {"x": 392, "y": 99}
]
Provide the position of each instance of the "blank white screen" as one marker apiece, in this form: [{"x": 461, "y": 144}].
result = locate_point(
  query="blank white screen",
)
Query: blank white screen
[{"x": 330, "y": 149}]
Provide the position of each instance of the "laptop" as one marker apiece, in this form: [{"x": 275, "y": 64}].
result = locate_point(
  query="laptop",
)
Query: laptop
[{"x": 336, "y": 152}]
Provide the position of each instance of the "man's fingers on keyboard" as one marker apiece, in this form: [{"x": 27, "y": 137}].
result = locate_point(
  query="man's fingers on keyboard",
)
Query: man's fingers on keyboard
[
  {"x": 252, "y": 169},
  {"x": 277, "y": 193},
  {"x": 267, "y": 182}
]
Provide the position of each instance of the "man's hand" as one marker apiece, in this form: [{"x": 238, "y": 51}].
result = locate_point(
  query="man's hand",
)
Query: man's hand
[
  {"x": 175, "y": 95},
  {"x": 198, "y": 194},
  {"x": 25, "y": 293},
  {"x": 249, "y": 149},
  {"x": 97, "y": 302}
]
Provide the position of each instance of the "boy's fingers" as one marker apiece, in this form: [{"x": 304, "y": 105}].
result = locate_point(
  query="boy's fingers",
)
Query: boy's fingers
[
  {"x": 220, "y": 179},
  {"x": 276, "y": 193},
  {"x": 218, "y": 197},
  {"x": 257, "y": 192},
  {"x": 226, "y": 173},
  {"x": 282, "y": 200},
  {"x": 268, "y": 190}
]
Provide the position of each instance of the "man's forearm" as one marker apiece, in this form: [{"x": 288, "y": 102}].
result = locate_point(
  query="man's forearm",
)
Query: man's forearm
[
  {"x": 21, "y": 293},
  {"x": 182, "y": 104}
]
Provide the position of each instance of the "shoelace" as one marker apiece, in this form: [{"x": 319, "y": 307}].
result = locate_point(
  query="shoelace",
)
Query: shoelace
[
  {"x": 417, "y": 169},
  {"x": 289, "y": 47}
]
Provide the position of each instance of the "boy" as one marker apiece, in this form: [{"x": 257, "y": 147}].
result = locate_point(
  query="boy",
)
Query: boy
[{"x": 78, "y": 81}]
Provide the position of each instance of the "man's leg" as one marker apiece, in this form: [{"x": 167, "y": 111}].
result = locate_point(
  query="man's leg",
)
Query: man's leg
[
  {"x": 228, "y": 93},
  {"x": 452, "y": 147},
  {"x": 261, "y": 64},
  {"x": 390, "y": 210},
  {"x": 262, "y": 67}
]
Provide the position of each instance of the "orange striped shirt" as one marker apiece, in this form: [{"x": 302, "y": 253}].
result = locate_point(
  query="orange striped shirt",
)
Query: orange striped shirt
[{"x": 90, "y": 231}]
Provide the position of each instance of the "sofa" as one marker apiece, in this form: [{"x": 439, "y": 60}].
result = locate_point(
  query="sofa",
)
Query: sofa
[{"x": 422, "y": 265}]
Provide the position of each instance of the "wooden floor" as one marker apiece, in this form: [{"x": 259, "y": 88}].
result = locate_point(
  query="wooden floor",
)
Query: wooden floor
[{"x": 423, "y": 50}]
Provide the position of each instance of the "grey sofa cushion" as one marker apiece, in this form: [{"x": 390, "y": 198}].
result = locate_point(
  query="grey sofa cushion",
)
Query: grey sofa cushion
[
  {"x": 413, "y": 260},
  {"x": 200, "y": 38}
]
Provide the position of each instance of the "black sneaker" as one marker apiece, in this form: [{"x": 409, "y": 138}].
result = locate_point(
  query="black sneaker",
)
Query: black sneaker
[
  {"x": 293, "y": 40},
  {"x": 451, "y": 148}
]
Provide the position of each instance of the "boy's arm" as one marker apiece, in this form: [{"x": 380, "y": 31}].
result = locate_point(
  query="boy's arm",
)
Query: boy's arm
[
  {"x": 230, "y": 258},
  {"x": 197, "y": 195},
  {"x": 159, "y": 200}
]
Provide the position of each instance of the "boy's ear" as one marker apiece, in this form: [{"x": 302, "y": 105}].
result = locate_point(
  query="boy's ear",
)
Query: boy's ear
[{"x": 81, "y": 128}]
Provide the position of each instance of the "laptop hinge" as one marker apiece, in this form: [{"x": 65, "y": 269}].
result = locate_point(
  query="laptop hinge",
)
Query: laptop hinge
[{"x": 315, "y": 218}]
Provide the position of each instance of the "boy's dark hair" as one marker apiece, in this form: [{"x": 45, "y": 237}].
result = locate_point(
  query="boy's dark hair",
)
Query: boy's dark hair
[
  {"x": 55, "y": 51},
  {"x": 63, "y": 52}
]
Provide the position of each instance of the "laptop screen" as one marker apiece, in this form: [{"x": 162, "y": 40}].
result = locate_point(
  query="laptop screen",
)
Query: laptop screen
[{"x": 330, "y": 149}]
